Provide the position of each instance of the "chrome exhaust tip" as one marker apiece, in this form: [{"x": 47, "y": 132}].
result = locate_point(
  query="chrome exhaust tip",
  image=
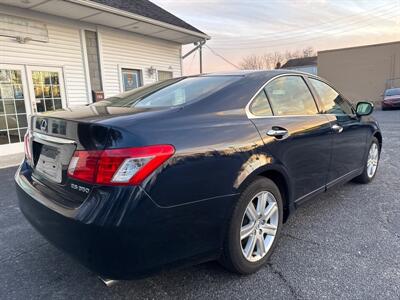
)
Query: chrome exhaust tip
[{"x": 108, "y": 282}]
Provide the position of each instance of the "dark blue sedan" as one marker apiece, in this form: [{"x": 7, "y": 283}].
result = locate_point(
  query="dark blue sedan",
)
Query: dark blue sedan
[{"x": 191, "y": 169}]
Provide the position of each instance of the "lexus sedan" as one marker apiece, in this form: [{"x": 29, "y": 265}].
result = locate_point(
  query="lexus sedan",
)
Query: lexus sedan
[
  {"x": 391, "y": 99},
  {"x": 191, "y": 169}
]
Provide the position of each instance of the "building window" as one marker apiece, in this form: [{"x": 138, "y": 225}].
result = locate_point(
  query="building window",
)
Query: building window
[
  {"x": 131, "y": 79},
  {"x": 46, "y": 86},
  {"x": 13, "y": 119},
  {"x": 164, "y": 75}
]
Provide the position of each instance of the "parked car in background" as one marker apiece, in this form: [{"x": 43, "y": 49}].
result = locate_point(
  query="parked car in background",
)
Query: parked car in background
[
  {"x": 191, "y": 169},
  {"x": 391, "y": 99}
]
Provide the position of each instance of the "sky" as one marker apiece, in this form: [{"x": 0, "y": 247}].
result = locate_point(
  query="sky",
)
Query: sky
[{"x": 241, "y": 28}]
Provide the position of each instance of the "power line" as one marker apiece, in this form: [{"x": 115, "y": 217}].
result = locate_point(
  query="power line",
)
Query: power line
[
  {"x": 299, "y": 37},
  {"x": 292, "y": 40},
  {"x": 380, "y": 9},
  {"x": 222, "y": 57},
  {"x": 270, "y": 46}
]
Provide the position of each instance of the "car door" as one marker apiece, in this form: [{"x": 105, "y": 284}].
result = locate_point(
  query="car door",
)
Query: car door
[
  {"x": 349, "y": 133},
  {"x": 294, "y": 133}
]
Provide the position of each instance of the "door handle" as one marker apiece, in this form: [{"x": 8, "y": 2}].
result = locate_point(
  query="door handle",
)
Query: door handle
[
  {"x": 279, "y": 133},
  {"x": 337, "y": 128}
]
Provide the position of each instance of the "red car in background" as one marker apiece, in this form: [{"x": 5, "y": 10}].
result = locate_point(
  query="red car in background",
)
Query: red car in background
[{"x": 391, "y": 99}]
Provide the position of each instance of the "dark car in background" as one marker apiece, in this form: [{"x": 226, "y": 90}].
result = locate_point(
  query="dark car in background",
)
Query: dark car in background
[
  {"x": 391, "y": 99},
  {"x": 191, "y": 169}
]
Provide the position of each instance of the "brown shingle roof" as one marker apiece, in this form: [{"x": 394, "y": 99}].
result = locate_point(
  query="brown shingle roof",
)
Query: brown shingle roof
[{"x": 148, "y": 9}]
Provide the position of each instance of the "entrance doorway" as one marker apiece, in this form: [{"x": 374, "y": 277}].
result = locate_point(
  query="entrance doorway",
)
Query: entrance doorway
[
  {"x": 13, "y": 104},
  {"x": 26, "y": 90},
  {"x": 46, "y": 88}
]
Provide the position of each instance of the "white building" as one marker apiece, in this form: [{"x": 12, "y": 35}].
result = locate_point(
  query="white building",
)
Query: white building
[{"x": 60, "y": 53}]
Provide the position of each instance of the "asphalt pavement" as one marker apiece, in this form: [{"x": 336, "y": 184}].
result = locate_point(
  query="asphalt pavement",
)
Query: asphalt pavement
[{"x": 344, "y": 244}]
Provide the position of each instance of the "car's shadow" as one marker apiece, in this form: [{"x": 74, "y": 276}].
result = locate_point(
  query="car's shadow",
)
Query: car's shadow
[{"x": 60, "y": 272}]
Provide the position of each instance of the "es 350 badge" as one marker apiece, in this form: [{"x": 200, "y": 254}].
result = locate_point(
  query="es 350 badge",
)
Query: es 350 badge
[{"x": 80, "y": 188}]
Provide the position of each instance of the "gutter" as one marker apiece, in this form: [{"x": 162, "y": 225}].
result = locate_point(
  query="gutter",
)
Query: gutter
[{"x": 116, "y": 11}]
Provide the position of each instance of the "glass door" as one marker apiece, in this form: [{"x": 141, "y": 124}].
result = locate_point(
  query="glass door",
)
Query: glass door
[
  {"x": 14, "y": 104},
  {"x": 46, "y": 88}
]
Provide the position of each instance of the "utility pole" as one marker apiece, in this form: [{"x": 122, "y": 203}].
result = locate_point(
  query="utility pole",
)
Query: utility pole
[
  {"x": 201, "y": 58},
  {"x": 199, "y": 46}
]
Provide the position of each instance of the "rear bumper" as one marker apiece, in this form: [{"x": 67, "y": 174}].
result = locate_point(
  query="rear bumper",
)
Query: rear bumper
[{"x": 126, "y": 237}]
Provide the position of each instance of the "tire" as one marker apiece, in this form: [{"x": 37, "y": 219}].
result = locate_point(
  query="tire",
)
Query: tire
[
  {"x": 233, "y": 256},
  {"x": 365, "y": 176}
]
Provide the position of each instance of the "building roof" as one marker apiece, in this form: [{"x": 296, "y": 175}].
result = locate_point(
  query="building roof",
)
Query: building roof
[
  {"x": 299, "y": 62},
  {"x": 137, "y": 16},
  {"x": 148, "y": 9}
]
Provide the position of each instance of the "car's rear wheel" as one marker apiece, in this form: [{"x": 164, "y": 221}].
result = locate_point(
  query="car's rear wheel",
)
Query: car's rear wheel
[
  {"x": 371, "y": 165},
  {"x": 254, "y": 227}
]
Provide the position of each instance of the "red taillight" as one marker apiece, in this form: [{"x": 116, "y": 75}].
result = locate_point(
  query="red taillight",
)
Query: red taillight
[
  {"x": 27, "y": 148},
  {"x": 83, "y": 165},
  {"x": 126, "y": 166}
]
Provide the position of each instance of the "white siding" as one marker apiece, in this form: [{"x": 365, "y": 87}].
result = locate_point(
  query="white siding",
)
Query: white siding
[
  {"x": 127, "y": 50},
  {"x": 118, "y": 49},
  {"x": 62, "y": 50}
]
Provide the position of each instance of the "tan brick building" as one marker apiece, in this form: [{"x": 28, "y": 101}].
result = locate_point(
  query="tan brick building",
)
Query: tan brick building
[{"x": 362, "y": 73}]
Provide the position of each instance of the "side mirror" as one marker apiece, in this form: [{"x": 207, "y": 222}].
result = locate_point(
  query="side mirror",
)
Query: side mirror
[{"x": 364, "y": 108}]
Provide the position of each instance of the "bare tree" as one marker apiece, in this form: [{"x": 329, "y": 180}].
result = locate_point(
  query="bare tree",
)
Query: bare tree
[
  {"x": 275, "y": 60},
  {"x": 308, "y": 52},
  {"x": 292, "y": 54},
  {"x": 267, "y": 61},
  {"x": 252, "y": 62}
]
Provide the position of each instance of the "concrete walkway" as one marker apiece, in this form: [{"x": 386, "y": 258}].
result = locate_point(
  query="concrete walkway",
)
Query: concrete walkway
[{"x": 7, "y": 161}]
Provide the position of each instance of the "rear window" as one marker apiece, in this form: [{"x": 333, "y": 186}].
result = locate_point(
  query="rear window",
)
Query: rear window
[
  {"x": 172, "y": 92},
  {"x": 392, "y": 92}
]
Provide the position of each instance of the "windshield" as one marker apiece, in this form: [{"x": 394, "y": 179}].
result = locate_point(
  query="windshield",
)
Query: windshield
[
  {"x": 172, "y": 92},
  {"x": 392, "y": 92}
]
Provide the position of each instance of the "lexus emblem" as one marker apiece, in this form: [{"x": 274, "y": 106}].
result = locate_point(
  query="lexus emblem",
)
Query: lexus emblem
[{"x": 43, "y": 125}]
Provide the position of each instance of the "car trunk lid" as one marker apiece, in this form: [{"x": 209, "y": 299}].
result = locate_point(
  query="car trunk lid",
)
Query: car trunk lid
[
  {"x": 51, "y": 145},
  {"x": 54, "y": 138}
]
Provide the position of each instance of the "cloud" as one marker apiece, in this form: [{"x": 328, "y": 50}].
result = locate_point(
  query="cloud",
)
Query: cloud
[{"x": 239, "y": 28}]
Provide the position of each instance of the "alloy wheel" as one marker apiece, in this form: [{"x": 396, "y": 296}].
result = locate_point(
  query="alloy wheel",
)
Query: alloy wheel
[
  {"x": 372, "y": 162},
  {"x": 259, "y": 226}
]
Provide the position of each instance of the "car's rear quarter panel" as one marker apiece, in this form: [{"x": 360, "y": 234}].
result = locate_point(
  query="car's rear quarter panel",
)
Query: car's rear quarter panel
[{"x": 209, "y": 153}]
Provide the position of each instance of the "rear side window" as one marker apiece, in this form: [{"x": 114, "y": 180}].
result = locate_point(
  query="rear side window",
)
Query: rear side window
[
  {"x": 260, "y": 105},
  {"x": 290, "y": 95},
  {"x": 332, "y": 102}
]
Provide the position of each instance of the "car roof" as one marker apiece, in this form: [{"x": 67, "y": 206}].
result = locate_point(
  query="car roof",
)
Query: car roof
[{"x": 256, "y": 73}]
